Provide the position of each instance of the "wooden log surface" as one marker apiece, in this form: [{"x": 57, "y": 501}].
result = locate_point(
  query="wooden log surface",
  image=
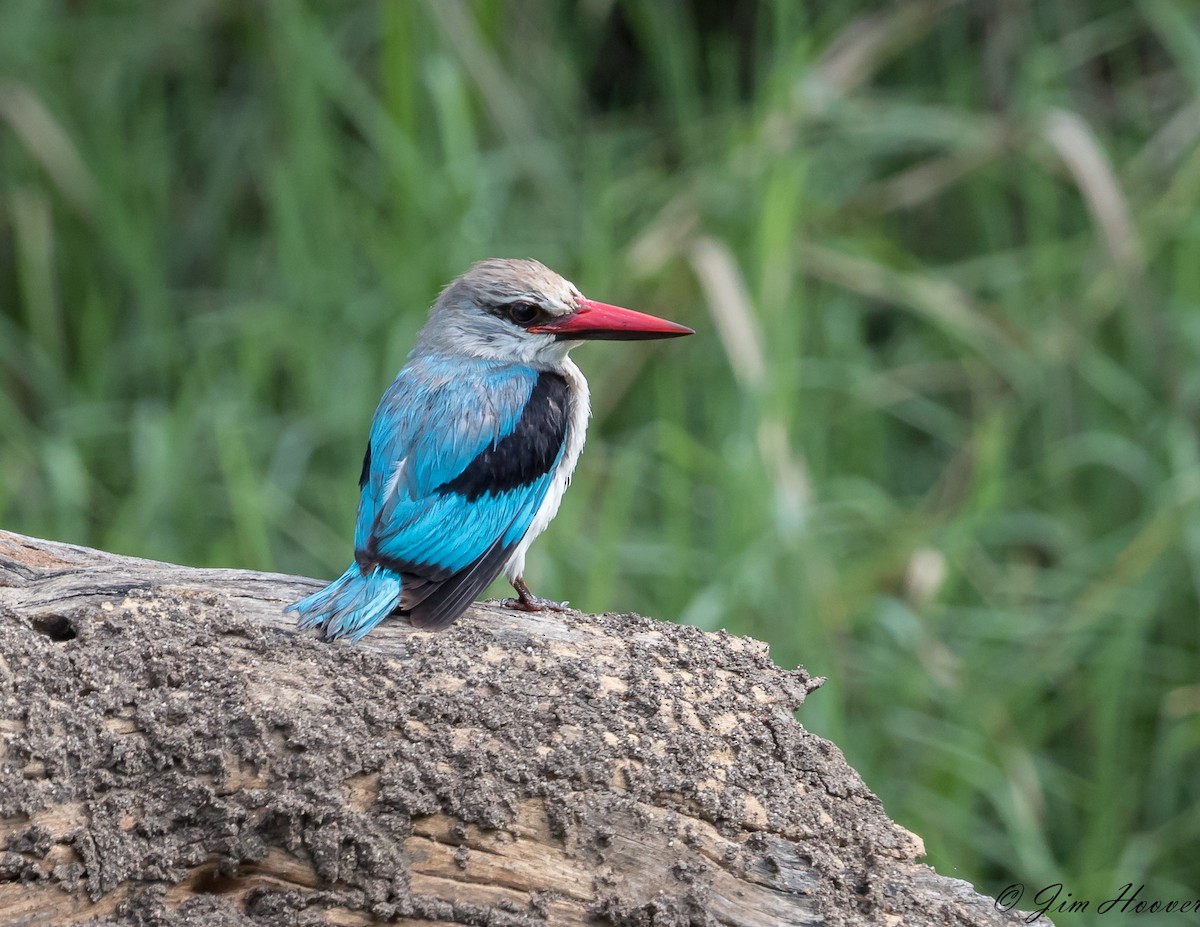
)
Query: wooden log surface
[{"x": 173, "y": 751}]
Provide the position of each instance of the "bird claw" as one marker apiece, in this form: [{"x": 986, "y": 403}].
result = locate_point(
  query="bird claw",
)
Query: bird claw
[
  {"x": 528, "y": 602},
  {"x": 535, "y": 603}
]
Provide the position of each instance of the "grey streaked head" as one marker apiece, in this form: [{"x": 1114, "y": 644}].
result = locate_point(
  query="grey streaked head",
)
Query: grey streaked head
[
  {"x": 486, "y": 313},
  {"x": 523, "y": 312}
]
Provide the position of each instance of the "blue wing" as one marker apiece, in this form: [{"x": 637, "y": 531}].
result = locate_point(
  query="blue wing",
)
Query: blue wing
[{"x": 461, "y": 455}]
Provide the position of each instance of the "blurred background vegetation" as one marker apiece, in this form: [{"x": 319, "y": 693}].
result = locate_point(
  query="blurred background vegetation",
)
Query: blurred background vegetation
[{"x": 936, "y": 437}]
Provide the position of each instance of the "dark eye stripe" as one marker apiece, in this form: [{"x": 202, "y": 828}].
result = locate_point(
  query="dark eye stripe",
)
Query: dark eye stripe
[{"x": 523, "y": 312}]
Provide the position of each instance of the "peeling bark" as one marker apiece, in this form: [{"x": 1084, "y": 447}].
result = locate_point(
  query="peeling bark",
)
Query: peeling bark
[{"x": 173, "y": 752}]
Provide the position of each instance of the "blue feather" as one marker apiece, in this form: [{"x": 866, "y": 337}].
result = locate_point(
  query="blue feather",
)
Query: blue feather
[
  {"x": 441, "y": 419},
  {"x": 351, "y": 605},
  {"x": 438, "y": 415}
]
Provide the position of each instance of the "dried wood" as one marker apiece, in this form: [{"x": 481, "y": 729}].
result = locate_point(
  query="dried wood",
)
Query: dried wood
[{"x": 173, "y": 751}]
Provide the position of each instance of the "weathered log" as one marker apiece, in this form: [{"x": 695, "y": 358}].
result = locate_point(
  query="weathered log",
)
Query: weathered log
[{"x": 173, "y": 751}]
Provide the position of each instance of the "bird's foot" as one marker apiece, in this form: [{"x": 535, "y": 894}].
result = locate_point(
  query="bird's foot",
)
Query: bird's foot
[
  {"x": 535, "y": 603},
  {"x": 526, "y": 601}
]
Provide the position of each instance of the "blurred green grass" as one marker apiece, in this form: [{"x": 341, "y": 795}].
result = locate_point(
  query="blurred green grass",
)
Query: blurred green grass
[{"x": 936, "y": 439}]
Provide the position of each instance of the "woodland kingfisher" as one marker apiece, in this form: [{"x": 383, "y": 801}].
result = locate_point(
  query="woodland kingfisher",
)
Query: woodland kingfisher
[{"x": 471, "y": 449}]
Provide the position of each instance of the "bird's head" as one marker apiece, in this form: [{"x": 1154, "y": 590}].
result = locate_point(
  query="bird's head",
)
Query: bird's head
[{"x": 521, "y": 311}]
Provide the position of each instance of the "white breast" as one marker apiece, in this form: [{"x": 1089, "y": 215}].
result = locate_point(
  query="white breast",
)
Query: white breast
[{"x": 579, "y": 410}]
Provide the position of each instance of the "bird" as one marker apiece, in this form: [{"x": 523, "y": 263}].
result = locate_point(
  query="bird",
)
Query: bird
[{"x": 471, "y": 448}]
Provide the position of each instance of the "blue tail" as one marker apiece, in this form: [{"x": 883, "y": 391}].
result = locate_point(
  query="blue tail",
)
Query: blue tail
[{"x": 351, "y": 605}]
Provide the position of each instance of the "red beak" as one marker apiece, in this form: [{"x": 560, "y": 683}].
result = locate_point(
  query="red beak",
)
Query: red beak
[{"x": 609, "y": 323}]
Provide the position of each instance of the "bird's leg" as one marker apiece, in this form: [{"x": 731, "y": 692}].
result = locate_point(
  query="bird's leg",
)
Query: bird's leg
[{"x": 528, "y": 602}]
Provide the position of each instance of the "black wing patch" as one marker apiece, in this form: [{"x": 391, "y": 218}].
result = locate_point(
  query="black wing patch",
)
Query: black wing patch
[{"x": 528, "y": 452}]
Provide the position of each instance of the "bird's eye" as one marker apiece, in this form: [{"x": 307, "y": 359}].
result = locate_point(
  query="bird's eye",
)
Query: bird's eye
[{"x": 522, "y": 312}]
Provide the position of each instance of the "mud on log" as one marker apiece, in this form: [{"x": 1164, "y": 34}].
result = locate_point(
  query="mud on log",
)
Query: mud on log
[{"x": 172, "y": 751}]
